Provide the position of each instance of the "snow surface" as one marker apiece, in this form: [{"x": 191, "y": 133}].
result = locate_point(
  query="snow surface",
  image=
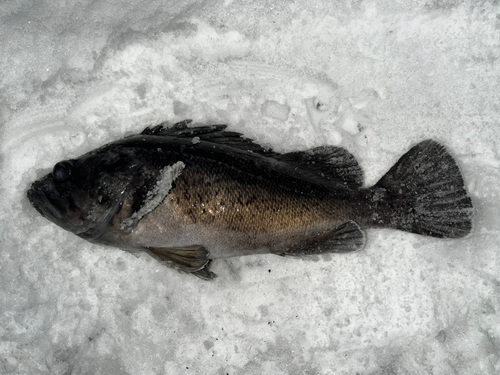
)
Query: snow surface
[{"x": 372, "y": 76}]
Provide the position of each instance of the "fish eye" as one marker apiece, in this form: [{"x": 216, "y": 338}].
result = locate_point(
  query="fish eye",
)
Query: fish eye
[{"x": 62, "y": 171}]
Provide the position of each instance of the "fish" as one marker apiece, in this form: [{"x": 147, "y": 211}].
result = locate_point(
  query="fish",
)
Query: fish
[{"x": 189, "y": 194}]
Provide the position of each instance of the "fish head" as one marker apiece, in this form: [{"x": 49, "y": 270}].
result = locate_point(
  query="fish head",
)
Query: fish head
[{"x": 83, "y": 195}]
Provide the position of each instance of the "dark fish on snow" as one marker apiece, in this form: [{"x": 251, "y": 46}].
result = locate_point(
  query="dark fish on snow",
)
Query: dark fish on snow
[{"x": 188, "y": 195}]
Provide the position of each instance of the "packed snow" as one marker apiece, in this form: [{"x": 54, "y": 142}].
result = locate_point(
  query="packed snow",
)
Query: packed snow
[{"x": 374, "y": 77}]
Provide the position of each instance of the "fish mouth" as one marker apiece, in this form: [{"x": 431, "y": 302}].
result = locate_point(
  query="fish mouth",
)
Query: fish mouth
[{"x": 47, "y": 201}]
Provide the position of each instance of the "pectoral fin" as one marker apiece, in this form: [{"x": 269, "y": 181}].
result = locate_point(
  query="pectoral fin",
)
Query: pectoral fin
[
  {"x": 344, "y": 238},
  {"x": 190, "y": 259}
]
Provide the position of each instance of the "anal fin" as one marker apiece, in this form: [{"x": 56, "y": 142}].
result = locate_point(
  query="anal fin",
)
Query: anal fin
[
  {"x": 345, "y": 238},
  {"x": 189, "y": 259}
]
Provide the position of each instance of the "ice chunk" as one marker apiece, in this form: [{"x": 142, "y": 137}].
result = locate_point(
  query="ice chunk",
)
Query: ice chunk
[
  {"x": 275, "y": 110},
  {"x": 364, "y": 98},
  {"x": 351, "y": 126}
]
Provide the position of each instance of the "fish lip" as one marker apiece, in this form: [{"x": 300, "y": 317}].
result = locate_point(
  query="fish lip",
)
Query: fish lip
[
  {"x": 34, "y": 199},
  {"x": 47, "y": 201}
]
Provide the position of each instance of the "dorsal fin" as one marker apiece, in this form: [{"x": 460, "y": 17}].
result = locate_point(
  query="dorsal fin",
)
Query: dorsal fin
[
  {"x": 333, "y": 164},
  {"x": 210, "y": 133},
  {"x": 329, "y": 163},
  {"x": 181, "y": 129}
]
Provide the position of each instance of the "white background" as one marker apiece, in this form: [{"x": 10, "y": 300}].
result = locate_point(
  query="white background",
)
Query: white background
[{"x": 374, "y": 77}]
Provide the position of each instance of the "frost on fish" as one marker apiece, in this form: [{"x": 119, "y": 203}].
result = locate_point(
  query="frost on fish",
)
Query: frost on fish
[{"x": 155, "y": 196}]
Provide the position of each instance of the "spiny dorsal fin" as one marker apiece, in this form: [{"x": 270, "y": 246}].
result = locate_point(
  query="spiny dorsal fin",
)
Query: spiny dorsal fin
[
  {"x": 209, "y": 133},
  {"x": 333, "y": 164},
  {"x": 181, "y": 129}
]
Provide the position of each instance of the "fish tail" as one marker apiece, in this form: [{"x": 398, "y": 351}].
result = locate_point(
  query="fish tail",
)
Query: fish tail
[{"x": 424, "y": 193}]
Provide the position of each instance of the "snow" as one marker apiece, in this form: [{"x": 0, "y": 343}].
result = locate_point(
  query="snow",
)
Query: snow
[
  {"x": 275, "y": 110},
  {"x": 374, "y": 77}
]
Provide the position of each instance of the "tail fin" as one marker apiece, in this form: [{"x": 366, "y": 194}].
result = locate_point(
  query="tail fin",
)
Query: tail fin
[{"x": 424, "y": 193}]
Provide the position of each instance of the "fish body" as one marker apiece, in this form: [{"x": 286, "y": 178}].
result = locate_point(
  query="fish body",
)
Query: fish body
[{"x": 188, "y": 195}]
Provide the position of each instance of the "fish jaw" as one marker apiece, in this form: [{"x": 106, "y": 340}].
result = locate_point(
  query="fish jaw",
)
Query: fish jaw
[{"x": 45, "y": 198}]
